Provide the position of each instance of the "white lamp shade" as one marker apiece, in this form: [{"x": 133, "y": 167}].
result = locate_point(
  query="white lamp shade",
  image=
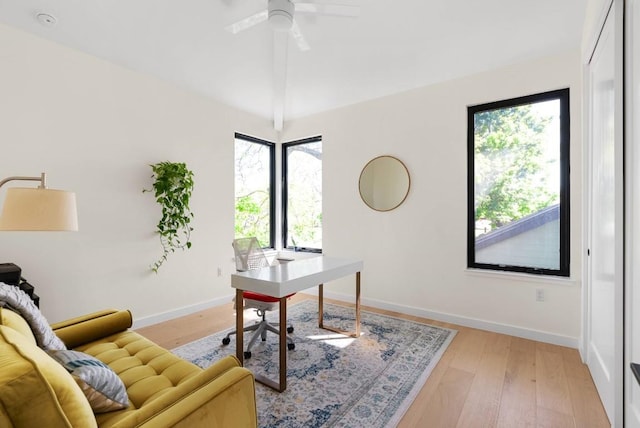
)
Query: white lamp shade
[{"x": 31, "y": 209}]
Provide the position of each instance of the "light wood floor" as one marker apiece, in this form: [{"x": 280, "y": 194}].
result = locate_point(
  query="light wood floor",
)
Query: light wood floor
[{"x": 483, "y": 379}]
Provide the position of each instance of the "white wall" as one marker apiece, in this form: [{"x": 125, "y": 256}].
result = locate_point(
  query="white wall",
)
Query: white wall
[
  {"x": 415, "y": 256},
  {"x": 94, "y": 128}
]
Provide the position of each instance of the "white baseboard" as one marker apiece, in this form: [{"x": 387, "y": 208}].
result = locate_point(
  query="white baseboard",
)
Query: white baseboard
[
  {"x": 540, "y": 336},
  {"x": 180, "y": 312},
  {"x": 525, "y": 333}
]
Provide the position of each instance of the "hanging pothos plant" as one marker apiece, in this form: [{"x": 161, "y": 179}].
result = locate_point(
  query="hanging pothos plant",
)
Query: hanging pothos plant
[{"x": 172, "y": 185}]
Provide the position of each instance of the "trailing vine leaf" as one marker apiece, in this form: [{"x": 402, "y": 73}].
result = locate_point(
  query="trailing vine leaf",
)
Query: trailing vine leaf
[{"x": 172, "y": 188}]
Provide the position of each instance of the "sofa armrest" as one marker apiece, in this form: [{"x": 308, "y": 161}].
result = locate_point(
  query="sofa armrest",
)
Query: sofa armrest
[
  {"x": 88, "y": 328},
  {"x": 222, "y": 395}
]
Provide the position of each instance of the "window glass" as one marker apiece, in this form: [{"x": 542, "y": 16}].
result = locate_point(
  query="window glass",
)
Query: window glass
[
  {"x": 254, "y": 193},
  {"x": 518, "y": 184},
  {"x": 302, "y": 194}
]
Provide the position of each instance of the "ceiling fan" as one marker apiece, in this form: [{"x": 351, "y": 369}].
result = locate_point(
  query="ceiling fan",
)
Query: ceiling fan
[{"x": 280, "y": 14}]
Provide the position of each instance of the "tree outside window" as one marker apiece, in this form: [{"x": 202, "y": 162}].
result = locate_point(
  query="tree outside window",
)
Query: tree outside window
[
  {"x": 302, "y": 194},
  {"x": 254, "y": 178}
]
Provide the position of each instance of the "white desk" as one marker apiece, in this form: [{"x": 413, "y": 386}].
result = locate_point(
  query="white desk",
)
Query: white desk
[{"x": 284, "y": 279}]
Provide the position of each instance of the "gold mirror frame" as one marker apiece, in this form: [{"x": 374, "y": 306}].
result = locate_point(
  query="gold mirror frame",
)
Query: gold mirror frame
[{"x": 384, "y": 183}]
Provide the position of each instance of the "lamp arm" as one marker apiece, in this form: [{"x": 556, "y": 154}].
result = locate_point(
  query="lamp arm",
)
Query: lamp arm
[{"x": 41, "y": 179}]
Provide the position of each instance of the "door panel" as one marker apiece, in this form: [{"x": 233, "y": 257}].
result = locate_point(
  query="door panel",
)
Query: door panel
[
  {"x": 604, "y": 267},
  {"x": 632, "y": 154}
]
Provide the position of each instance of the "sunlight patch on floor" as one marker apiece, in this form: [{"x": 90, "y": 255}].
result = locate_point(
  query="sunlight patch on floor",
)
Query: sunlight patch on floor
[{"x": 337, "y": 340}]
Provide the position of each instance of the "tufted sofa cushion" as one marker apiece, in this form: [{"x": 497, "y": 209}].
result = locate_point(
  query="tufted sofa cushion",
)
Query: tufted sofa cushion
[{"x": 147, "y": 370}]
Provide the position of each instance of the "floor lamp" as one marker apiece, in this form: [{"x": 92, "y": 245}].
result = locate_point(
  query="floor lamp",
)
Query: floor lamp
[{"x": 38, "y": 209}]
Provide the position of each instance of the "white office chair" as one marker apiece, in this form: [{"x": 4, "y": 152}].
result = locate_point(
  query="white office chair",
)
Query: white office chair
[{"x": 249, "y": 255}]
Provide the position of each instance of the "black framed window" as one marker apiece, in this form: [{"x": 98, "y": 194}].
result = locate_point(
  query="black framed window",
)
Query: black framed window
[
  {"x": 518, "y": 184},
  {"x": 302, "y": 195},
  {"x": 255, "y": 189}
]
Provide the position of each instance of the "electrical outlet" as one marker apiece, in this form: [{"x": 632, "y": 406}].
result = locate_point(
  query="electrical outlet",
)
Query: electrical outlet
[
  {"x": 539, "y": 295},
  {"x": 219, "y": 271}
]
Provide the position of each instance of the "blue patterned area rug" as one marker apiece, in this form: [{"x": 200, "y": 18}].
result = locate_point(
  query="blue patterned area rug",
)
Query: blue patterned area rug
[{"x": 334, "y": 380}]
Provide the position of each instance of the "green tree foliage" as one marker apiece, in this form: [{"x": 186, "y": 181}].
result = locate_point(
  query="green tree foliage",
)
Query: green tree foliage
[
  {"x": 252, "y": 191},
  {"x": 252, "y": 217},
  {"x": 510, "y": 179},
  {"x": 304, "y": 209}
]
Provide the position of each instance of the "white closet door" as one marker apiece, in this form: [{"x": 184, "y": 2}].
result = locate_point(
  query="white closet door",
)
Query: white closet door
[
  {"x": 632, "y": 155},
  {"x": 604, "y": 282}
]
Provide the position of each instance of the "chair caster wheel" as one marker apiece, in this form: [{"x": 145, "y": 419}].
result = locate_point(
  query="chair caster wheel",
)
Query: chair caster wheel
[
  {"x": 226, "y": 341},
  {"x": 264, "y": 339},
  {"x": 247, "y": 355},
  {"x": 291, "y": 346},
  {"x": 290, "y": 329}
]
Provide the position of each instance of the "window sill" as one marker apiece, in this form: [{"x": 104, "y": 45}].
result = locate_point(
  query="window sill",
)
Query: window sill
[{"x": 524, "y": 277}]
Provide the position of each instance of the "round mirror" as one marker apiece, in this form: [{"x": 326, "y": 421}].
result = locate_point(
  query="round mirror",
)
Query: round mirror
[{"x": 384, "y": 183}]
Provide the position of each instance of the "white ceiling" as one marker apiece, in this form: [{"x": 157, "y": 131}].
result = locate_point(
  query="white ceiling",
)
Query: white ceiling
[{"x": 391, "y": 47}]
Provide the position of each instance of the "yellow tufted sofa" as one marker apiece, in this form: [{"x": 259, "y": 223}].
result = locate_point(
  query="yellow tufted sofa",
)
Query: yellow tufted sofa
[{"x": 163, "y": 390}]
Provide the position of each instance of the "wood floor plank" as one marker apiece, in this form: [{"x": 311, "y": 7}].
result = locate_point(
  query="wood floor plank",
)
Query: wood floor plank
[
  {"x": 588, "y": 410},
  {"x": 498, "y": 343},
  {"x": 518, "y": 402},
  {"x": 552, "y": 391},
  {"x": 525, "y": 345},
  {"x": 444, "y": 407},
  {"x": 483, "y": 401},
  {"x": 547, "y": 418},
  {"x": 469, "y": 349},
  {"x": 573, "y": 365}
]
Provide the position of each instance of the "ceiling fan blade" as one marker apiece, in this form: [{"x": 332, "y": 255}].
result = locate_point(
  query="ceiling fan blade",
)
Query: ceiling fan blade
[
  {"x": 297, "y": 35},
  {"x": 247, "y": 22},
  {"x": 328, "y": 9}
]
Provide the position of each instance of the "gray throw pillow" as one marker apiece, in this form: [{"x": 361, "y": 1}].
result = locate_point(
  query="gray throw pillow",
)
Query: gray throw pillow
[{"x": 100, "y": 384}]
